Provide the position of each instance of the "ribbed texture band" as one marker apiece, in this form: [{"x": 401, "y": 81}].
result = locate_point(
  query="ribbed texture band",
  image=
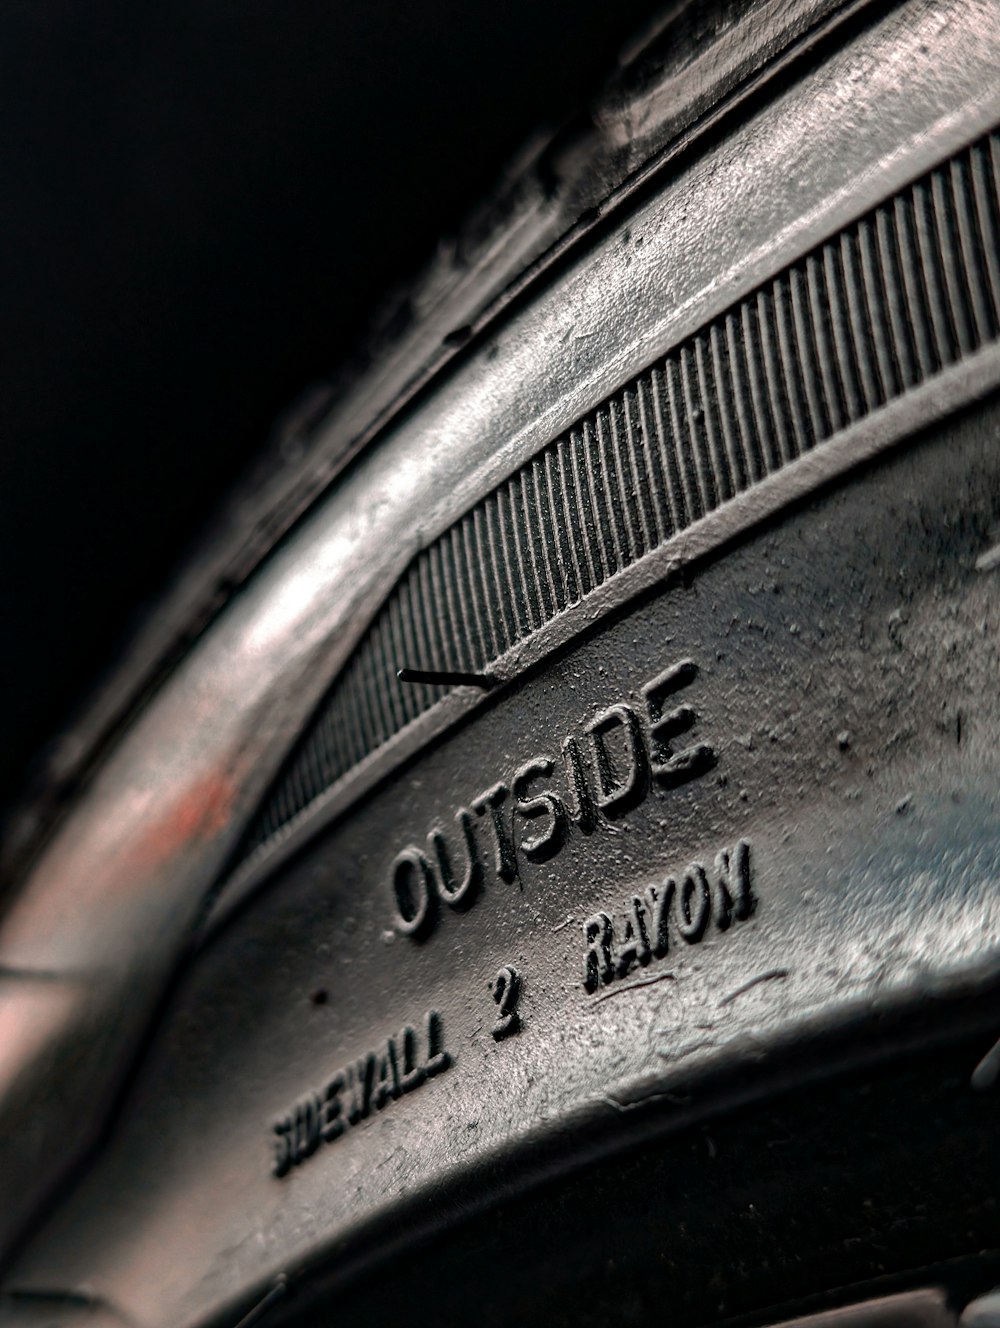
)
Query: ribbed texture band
[{"x": 909, "y": 289}]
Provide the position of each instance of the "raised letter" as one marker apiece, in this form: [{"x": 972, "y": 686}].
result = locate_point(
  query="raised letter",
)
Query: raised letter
[
  {"x": 659, "y": 898},
  {"x": 386, "y": 1077},
  {"x": 549, "y": 839},
  {"x": 506, "y": 992},
  {"x": 331, "y": 1120},
  {"x": 283, "y": 1146},
  {"x": 461, "y": 893},
  {"x": 305, "y": 1138},
  {"x": 597, "y": 936},
  {"x": 359, "y": 1086},
  {"x": 634, "y": 948},
  {"x": 414, "y": 1073},
  {"x": 733, "y": 886},
  {"x": 437, "y": 1058},
  {"x": 696, "y": 904},
  {"x": 492, "y": 801},
  {"x": 670, "y": 767},
  {"x": 619, "y": 790},
  {"x": 582, "y": 811},
  {"x": 412, "y": 883}
]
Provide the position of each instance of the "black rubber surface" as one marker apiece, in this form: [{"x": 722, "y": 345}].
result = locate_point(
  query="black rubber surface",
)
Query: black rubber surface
[
  {"x": 847, "y": 1186},
  {"x": 617, "y": 941}
]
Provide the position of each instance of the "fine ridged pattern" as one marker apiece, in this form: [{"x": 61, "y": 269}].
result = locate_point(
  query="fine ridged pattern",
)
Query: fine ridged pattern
[{"x": 881, "y": 308}]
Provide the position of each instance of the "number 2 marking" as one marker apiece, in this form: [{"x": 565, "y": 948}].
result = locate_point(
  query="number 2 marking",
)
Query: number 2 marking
[{"x": 506, "y": 990}]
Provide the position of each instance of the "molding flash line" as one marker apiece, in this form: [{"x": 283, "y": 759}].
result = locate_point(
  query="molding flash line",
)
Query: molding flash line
[{"x": 448, "y": 677}]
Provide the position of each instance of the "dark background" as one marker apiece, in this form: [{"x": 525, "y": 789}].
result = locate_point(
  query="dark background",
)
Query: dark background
[{"x": 200, "y": 205}]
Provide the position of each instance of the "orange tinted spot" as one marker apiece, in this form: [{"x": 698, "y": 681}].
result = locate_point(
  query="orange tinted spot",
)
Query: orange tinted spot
[{"x": 200, "y": 812}]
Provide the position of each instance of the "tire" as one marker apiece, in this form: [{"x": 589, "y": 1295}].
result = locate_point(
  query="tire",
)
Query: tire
[{"x": 560, "y": 884}]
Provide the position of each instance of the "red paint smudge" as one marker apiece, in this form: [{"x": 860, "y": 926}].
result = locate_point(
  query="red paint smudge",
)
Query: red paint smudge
[{"x": 200, "y": 812}]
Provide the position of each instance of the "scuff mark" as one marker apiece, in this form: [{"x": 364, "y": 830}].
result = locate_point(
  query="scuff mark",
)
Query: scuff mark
[
  {"x": 687, "y": 1050},
  {"x": 771, "y": 975},
  {"x": 631, "y": 986},
  {"x": 990, "y": 560},
  {"x": 199, "y": 812},
  {"x": 676, "y": 1099}
]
